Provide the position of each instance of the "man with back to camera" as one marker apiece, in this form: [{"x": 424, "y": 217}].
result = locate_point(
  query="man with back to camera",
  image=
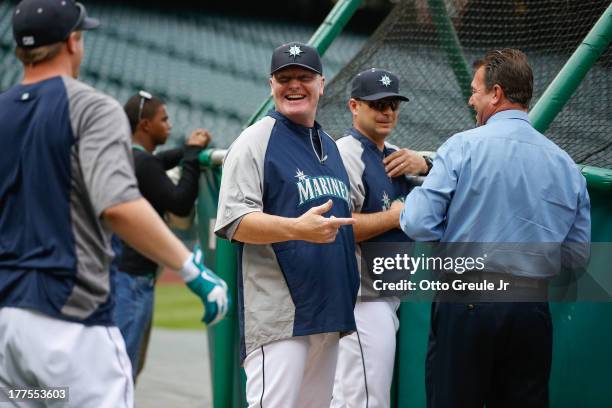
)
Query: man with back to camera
[
  {"x": 376, "y": 171},
  {"x": 285, "y": 198},
  {"x": 502, "y": 182},
  {"x": 137, "y": 274},
  {"x": 67, "y": 182}
]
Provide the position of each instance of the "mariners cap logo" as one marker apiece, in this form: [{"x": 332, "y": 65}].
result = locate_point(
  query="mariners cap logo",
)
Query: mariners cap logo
[
  {"x": 385, "y": 80},
  {"x": 294, "y": 51}
]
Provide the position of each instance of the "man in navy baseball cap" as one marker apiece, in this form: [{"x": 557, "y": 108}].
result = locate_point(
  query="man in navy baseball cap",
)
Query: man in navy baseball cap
[
  {"x": 42, "y": 22},
  {"x": 297, "y": 82},
  {"x": 288, "y": 152},
  {"x": 376, "y": 171},
  {"x": 50, "y": 32}
]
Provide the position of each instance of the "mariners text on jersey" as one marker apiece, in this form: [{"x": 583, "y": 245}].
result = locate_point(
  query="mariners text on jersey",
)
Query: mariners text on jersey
[{"x": 311, "y": 188}]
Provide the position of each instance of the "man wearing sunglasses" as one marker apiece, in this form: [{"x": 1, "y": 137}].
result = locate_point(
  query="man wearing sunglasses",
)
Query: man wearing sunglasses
[
  {"x": 67, "y": 183},
  {"x": 376, "y": 170},
  {"x": 137, "y": 274}
]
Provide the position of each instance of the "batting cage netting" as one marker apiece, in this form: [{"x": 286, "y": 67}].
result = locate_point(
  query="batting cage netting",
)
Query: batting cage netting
[{"x": 426, "y": 43}]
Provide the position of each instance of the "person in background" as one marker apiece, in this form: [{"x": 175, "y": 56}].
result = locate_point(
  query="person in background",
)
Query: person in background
[{"x": 137, "y": 274}]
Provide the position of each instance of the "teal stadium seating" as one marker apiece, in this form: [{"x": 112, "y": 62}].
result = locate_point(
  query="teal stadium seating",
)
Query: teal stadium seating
[{"x": 210, "y": 69}]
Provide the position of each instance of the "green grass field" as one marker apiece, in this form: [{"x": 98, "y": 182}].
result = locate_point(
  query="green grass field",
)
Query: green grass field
[{"x": 177, "y": 308}]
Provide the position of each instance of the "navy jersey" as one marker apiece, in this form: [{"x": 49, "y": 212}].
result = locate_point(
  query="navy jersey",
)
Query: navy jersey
[
  {"x": 292, "y": 288},
  {"x": 65, "y": 159},
  {"x": 372, "y": 190}
]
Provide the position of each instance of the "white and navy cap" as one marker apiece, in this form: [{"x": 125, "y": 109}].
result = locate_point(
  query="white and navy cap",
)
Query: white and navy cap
[
  {"x": 43, "y": 22},
  {"x": 297, "y": 54},
  {"x": 375, "y": 84}
]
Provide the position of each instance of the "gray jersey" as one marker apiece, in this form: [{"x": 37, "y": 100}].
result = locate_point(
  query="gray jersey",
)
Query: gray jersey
[{"x": 70, "y": 160}]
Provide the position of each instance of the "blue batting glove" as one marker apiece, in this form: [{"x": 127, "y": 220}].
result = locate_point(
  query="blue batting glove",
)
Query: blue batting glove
[{"x": 211, "y": 289}]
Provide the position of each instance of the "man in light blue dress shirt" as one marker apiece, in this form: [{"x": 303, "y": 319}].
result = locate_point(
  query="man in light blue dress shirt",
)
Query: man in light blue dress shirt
[{"x": 502, "y": 182}]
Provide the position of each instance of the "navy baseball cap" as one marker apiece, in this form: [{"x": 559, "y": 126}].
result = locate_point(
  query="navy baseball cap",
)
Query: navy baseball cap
[
  {"x": 297, "y": 54},
  {"x": 375, "y": 84},
  {"x": 43, "y": 22}
]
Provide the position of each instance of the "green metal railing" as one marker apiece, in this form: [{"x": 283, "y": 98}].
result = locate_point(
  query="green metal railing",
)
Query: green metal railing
[
  {"x": 567, "y": 81},
  {"x": 573, "y": 72},
  {"x": 597, "y": 178}
]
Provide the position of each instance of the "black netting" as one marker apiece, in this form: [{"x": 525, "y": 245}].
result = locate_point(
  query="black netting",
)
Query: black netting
[{"x": 408, "y": 44}]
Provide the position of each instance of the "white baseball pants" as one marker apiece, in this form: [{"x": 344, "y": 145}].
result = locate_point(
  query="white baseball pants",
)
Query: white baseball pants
[
  {"x": 40, "y": 351},
  {"x": 296, "y": 372},
  {"x": 366, "y": 358}
]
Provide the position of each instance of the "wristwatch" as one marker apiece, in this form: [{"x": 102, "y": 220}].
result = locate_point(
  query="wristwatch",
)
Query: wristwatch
[{"x": 429, "y": 163}]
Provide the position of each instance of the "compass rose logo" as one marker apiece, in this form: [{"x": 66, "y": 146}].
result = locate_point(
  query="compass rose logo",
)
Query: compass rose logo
[
  {"x": 385, "y": 80},
  {"x": 300, "y": 175},
  {"x": 294, "y": 51},
  {"x": 386, "y": 201}
]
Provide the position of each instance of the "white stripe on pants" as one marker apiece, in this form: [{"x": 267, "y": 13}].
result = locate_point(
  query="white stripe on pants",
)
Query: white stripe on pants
[
  {"x": 370, "y": 349},
  {"x": 296, "y": 372}
]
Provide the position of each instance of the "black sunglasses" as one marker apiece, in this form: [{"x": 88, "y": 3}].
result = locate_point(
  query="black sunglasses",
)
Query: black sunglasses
[
  {"x": 381, "y": 105},
  {"x": 144, "y": 96}
]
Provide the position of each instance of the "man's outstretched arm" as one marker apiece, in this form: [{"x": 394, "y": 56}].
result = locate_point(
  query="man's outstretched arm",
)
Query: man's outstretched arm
[
  {"x": 137, "y": 223},
  {"x": 260, "y": 228}
]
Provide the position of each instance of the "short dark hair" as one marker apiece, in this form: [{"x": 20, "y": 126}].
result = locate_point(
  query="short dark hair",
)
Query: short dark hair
[
  {"x": 149, "y": 109},
  {"x": 509, "y": 69}
]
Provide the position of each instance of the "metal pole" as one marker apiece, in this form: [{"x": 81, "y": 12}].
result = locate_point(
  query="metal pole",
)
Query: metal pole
[
  {"x": 321, "y": 39},
  {"x": 212, "y": 157},
  {"x": 573, "y": 72},
  {"x": 451, "y": 45},
  {"x": 598, "y": 178}
]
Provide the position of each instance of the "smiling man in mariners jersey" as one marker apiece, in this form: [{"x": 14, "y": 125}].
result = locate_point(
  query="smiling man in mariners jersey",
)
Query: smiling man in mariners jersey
[
  {"x": 376, "y": 170},
  {"x": 285, "y": 197}
]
